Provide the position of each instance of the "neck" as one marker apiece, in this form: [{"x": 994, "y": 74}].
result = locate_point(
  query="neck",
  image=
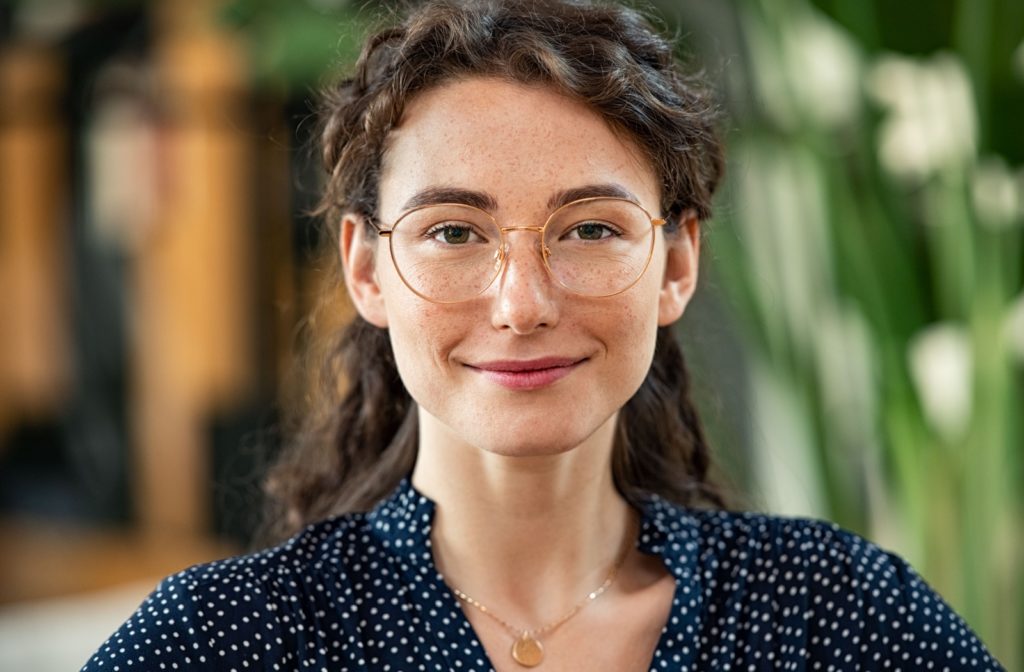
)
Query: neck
[{"x": 527, "y": 536}]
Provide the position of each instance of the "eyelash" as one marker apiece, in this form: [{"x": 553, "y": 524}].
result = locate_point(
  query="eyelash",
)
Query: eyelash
[
  {"x": 612, "y": 230},
  {"x": 433, "y": 231}
]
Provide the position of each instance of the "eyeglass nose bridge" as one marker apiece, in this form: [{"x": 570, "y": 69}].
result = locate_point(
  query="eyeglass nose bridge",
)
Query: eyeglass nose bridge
[{"x": 503, "y": 250}]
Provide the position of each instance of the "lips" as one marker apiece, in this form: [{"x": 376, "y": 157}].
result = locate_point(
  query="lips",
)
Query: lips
[{"x": 527, "y": 374}]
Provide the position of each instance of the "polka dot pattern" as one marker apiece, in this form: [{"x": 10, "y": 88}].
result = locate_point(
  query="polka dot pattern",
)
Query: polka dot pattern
[{"x": 361, "y": 592}]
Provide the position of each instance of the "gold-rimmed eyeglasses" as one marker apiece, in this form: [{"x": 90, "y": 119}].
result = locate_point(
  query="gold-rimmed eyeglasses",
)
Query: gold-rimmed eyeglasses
[{"x": 451, "y": 252}]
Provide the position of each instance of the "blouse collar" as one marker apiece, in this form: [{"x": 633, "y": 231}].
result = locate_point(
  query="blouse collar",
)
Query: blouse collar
[{"x": 402, "y": 523}]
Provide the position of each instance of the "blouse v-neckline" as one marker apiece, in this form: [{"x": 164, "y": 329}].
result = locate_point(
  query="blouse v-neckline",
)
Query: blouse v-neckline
[{"x": 403, "y": 524}]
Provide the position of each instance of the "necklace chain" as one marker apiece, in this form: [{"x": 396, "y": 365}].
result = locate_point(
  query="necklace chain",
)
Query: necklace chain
[
  {"x": 525, "y": 635},
  {"x": 593, "y": 595}
]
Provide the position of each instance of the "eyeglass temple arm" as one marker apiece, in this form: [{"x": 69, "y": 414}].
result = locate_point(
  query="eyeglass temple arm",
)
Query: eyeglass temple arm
[{"x": 376, "y": 227}]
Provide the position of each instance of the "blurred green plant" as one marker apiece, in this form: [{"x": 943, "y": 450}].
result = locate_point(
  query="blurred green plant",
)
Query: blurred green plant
[
  {"x": 295, "y": 42},
  {"x": 871, "y": 242}
]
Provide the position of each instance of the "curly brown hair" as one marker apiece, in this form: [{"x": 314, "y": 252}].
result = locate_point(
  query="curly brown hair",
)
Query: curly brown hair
[{"x": 359, "y": 439}]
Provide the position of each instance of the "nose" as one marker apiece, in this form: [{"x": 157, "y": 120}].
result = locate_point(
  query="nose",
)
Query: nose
[{"x": 527, "y": 298}]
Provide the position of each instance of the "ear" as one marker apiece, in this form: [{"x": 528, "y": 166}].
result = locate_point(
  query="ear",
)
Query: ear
[
  {"x": 680, "y": 280},
  {"x": 359, "y": 260}
]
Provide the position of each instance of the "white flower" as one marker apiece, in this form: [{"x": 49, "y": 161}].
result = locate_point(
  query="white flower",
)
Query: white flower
[
  {"x": 942, "y": 370},
  {"x": 805, "y": 69},
  {"x": 1014, "y": 328},
  {"x": 931, "y": 122},
  {"x": 824, "y": 69},
  {"x": 996, "y": 193}
]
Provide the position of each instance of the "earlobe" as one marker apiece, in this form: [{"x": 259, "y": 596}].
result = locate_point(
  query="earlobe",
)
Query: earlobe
[
  {"x": 358, "y": 258},
  {"x": 681, "y": 264}
]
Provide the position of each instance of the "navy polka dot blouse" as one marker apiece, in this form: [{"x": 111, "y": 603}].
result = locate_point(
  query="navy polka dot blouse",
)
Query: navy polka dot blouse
[{"x": 360, "y": 592}]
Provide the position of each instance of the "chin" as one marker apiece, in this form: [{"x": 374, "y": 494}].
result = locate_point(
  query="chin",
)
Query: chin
[
  {"x": 529, "y": 447},
  {"x": 530, "y": 440},
  {"x": 518, "y": 432}
]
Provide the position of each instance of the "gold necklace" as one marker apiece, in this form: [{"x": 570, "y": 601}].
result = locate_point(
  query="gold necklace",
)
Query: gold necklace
[{"x": 526, "y": 648}]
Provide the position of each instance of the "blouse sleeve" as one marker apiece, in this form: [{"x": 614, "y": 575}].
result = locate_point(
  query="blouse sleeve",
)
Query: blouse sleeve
[
  {"x": 899, "y": 621},
  {"x": 922, "y": 630},
  {"x": 163, "y": 633}
]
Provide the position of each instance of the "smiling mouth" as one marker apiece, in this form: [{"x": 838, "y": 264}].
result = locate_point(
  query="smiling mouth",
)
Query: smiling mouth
[{"x": 527, "y": 374}]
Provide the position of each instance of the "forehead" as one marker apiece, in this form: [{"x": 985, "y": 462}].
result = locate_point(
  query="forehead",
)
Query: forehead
[{"x": 517, "y": 143}]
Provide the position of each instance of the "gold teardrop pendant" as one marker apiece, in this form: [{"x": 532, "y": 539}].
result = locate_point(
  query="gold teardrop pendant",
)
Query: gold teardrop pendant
[{"x": 527, "y": 651}]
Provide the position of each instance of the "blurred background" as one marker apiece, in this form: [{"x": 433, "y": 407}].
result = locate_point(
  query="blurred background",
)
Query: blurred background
[{"x": 858, "y": 340}]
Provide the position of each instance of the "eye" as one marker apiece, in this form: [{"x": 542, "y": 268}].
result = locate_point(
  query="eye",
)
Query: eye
[
  {"x": 591, "y": 230},
  {"x": 452, "y": 233}
]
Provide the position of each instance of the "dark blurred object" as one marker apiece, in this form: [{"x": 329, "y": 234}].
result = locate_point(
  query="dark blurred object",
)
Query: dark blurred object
[{"x": 148, "y": 302}]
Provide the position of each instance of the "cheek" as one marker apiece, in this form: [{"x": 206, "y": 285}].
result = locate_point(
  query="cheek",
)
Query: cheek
[
  {"x": 422, "y": 338},
  {"x": 417, "y": 328},
  {"x": 638, "y": 352},
  {"x": 634, "y": 328}
]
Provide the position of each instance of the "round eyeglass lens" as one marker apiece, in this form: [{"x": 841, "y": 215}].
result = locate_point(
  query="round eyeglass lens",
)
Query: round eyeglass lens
[
  {"x": 446, "y": 253},
  {"x": 599, "y": 247}
]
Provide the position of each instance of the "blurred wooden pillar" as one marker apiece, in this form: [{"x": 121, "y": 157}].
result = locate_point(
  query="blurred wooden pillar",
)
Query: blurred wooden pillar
[
  {"x": 34, "y": 314},
  {"x": 193, "y": 296}
]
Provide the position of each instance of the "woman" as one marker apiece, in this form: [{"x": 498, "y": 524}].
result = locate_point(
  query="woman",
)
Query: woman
[{"x": 517, "y": 189}]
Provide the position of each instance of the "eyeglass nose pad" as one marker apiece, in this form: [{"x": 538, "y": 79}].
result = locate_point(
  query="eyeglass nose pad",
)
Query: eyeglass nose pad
[{"x": 499, "y": 256}]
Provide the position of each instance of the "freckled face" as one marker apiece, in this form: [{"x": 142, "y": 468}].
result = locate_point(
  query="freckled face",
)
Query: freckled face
[{"x": 519, "y": 145}]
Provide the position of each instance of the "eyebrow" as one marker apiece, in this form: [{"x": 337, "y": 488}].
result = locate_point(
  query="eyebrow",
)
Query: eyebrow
[
  {"x": 435, "y": 195},
  {"x": 608, "y": 190},
  {"x": 485, "y": 201}
]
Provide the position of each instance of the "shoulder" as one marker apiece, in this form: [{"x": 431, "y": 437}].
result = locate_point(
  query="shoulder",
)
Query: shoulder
[
  {"x": 324, "y": 548},
  {"x": 821, "y": 565},
  {"x": 762, "y": 539},
  {"x": 779, "y": 541},
  {"x": 826, "y": 592},
  {"x": 814, "y": 557},
  {"x": 240, "y": 607},
  {"x": 325, "y": 551}
]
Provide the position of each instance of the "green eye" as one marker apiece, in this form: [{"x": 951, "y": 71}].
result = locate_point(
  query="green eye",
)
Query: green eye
[
  {"x": 592, "y": 231},
  {"x": 451, "y": 234},
  {"x": 455, "y": 234}
]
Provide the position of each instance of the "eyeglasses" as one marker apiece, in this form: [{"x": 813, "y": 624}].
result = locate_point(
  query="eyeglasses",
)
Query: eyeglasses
[{"x": 451, "y": 252}]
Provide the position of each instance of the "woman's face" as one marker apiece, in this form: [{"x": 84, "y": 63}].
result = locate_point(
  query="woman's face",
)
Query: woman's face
[{"x": 517, "y": 147}]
